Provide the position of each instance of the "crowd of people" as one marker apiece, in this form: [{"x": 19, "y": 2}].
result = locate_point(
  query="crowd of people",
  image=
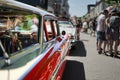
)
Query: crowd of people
[
  {"x": 108, "y": 25},
  {"x": 106, "y": 28}
]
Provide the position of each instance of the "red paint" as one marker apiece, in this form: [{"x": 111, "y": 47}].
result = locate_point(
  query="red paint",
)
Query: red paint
[
  {"x": 60, "y": 71},
  {"x": 44, "y": 69},
  {"x": 40, "y": 65},
  {"x": 49, "y": 68},
  {"x": 46, "y": 31},
  {"x": 59, "y": 39}
]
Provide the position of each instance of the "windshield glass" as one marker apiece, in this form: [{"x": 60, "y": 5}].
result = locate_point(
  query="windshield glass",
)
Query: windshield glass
[{"x": 65, "y": 24}]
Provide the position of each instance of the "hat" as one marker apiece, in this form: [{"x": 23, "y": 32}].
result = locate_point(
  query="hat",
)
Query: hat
[
  {"x": 109, "y": 8},
  {"x": 113, "y": 11}
]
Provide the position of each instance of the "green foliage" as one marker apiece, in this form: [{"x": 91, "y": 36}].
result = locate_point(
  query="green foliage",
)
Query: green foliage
[
  {"x": 110, "y": 2},
  {"x": 27, "y": 22}
]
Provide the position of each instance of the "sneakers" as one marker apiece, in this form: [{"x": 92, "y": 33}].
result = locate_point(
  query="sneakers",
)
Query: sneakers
[{"x": 100, "y": 52}]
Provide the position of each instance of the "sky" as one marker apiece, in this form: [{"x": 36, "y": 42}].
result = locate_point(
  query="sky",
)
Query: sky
[{"x": 79, "y": 7}]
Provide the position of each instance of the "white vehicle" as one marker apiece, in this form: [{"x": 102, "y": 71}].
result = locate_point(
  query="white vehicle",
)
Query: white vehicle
[{"x": 69, "y": 28}]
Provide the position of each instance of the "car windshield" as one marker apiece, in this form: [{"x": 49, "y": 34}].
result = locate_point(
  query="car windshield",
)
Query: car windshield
[{"x": 65, "y": 23}]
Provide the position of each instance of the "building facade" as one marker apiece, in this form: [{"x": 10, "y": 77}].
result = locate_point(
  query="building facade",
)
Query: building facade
[
  {"x": 59, "y": 7},
  {"x": 94, "y": 11}
]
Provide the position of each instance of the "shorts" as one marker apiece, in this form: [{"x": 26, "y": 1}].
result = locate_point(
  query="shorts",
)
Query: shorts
[
  {"x": 94, "y": 28},
  {"x": 108, "y": 30},
  {"x": 101, "y": 36},
  {"x": 114, "y": 36}
]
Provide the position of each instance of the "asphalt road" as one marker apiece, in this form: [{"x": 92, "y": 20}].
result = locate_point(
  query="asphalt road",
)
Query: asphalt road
[{"x": 84, "y": 63}]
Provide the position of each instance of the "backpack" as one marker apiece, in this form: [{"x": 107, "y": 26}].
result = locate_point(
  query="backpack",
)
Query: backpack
[{"x": 114, "y": 21}]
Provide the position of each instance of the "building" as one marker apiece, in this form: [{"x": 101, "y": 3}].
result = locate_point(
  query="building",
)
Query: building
[
  {"x": 64, "y": 8},
  {"x": 95, "y": 9},
  {"x": 38, "y": 3},
  {"x": 59, "y": 7}
]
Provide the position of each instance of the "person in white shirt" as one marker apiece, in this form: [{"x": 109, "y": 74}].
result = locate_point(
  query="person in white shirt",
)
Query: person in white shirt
[
  {"x": 101, "y": 31},
  {"x": 17, "y": 22},
  {"x": 34, "y": 30},
  {"x": 34, "y": 27},
  {"x": 85, "y": 26}
]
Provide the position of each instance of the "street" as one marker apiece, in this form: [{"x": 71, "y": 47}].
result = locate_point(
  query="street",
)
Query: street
[{"x": 84, "y": 63}]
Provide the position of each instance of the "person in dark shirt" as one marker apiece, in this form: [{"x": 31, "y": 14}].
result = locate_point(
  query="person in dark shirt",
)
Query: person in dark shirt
[
  {"x": 114, "y": 35},
  {"x": 78, "y": 28}
]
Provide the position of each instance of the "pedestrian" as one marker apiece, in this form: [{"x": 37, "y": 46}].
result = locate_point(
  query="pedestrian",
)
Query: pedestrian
[
  {"x": 91, "y": 26},
  {"x": 114, "y": 35},
  {"x": 85, "y": 26},
  {"x": 107, "y": 32},
  {"x": 17, "y": 23},
  {"x": 101, "y": 31},
  {"x": 34, "y": 27},
  {"x": 94, "y": 26},
  {"x": 78, "y": 28}
]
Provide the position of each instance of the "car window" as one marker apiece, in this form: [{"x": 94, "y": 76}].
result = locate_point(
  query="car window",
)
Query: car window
[{"x": 18, "y": 31}]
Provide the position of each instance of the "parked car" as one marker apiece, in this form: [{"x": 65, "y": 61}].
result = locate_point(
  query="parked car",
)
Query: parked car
[
  {"x": 70, "y": 29},
  {"x": 32, "y": 51}
]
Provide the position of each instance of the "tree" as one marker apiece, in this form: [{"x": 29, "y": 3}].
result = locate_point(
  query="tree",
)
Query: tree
[{"x": 111, "y": 2}]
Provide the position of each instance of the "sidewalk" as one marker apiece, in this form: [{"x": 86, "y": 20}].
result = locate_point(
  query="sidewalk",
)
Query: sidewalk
[{"x": 84, "y": 63}]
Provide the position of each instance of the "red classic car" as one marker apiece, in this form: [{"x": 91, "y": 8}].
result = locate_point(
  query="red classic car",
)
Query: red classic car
[{"x": 31, "y": 47}]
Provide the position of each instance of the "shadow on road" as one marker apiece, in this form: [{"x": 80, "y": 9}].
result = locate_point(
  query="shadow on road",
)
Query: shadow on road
[
  {"x": 78, "y": 50},
  {"x": 74, "y": 71},
  {"x": 117, "y": 56}
]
